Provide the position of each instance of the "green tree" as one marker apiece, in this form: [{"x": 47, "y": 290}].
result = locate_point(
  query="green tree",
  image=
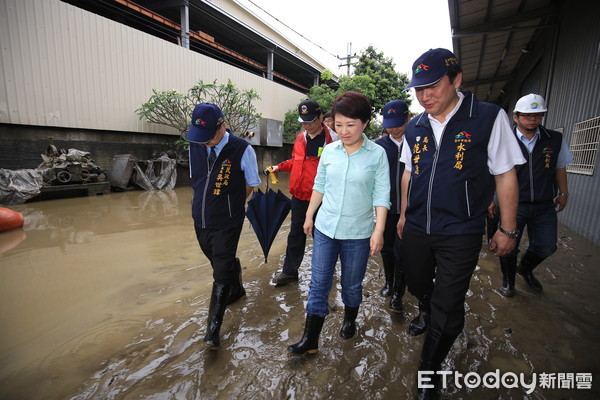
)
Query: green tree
[
  {"x": 389, "y": 84},
  {"x": 374, "y": 76},
  {"x": 174, "y": 109}
]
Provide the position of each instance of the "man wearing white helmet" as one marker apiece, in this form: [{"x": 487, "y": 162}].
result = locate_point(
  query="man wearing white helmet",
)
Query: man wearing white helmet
[{"x": 543, "y": 191}]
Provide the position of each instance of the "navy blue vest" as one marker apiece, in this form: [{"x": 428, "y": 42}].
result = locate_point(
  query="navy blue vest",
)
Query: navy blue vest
[
  {"x": 451, "y": 186},
  {"x": 537, "y": 177},
  {"x": 396, "y": 170},
  {"x": 219, "y": 193}
]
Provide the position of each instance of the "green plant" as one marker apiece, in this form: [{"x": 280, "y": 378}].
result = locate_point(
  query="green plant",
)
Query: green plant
[
  {"x": 374, "y": 76},
  {"x": 174, "y": 109}
]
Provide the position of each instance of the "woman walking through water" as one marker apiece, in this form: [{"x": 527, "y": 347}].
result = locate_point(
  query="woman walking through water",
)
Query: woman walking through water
[{"x": 352, "y": 179}]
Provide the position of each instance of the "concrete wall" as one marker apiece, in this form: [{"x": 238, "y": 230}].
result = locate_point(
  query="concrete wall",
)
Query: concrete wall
[{"x": 22, "y": 145}]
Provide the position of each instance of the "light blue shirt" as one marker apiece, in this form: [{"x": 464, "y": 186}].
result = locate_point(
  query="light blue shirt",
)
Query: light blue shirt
[
  {"x": 249, "y": 164},
  {"x": 351, "y": 186},
  {"x": 564, "y": 155}
]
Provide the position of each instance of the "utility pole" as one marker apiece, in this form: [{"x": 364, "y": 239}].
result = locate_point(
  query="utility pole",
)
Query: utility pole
[{"x": 347, "y": 58}]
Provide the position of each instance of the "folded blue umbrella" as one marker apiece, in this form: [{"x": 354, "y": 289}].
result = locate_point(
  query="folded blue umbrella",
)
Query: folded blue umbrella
[{"x": 266, "y": 212}]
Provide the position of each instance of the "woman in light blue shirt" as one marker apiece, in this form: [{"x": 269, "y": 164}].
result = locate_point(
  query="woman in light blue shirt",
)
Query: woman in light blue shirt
[{"x": 352, "y": 179}]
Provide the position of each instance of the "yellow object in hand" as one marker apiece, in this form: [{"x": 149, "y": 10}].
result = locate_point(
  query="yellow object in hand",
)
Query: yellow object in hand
[{"x": 273, "y": 175}]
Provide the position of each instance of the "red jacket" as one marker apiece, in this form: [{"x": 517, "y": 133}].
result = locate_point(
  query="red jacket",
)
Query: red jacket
[{"x": 303, "y": 169}]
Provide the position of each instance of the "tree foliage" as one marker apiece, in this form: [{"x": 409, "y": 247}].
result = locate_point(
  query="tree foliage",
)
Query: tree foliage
[
  {"x": 389, "y": 84},
  {"x": 174, "y": 109},
  {"x": 374, "y": 76}
]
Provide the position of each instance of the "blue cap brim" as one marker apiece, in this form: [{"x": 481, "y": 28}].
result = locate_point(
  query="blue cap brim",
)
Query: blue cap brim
[
  {"x": 199, "y": 135},
  {"x": 393, "y": 122},
  {"x": 416, "y": 83}
]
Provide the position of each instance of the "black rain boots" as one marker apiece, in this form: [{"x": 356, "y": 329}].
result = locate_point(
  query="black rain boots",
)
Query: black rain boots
[
  {"x": 420, "y": 324},
  {"x": 397, "y": 292},
  {"x": 389, "y": 263},
  {"x": 435, "y": 349},
  {"x": 349, "y": 326},
  {"x": 309, "y": 344},
  {"x": 525, "y": 269},
  {"x": 237, "y": 287},
  {"x": 508, "y": 265},
  {"x": 218, "y": 303}
]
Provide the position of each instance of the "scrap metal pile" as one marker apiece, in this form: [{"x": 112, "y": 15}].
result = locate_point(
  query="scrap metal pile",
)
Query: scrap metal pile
[{"x": 59, "y": 167}]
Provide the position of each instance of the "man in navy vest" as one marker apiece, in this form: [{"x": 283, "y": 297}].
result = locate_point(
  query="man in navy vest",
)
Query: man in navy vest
[
  {"x": 395, "y": 119},
  {"x": 454, "y": 153},
  {"x": 223, "y": 169},
  {"x": 543, "y": 191}
]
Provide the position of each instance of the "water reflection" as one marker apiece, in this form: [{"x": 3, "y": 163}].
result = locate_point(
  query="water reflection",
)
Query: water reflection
[
  {"x": 11, "y": 239},
  {"x": 107, "y": 297}
]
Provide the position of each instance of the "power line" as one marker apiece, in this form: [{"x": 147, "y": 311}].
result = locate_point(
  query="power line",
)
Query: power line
[{"x": 290, "y": 28}]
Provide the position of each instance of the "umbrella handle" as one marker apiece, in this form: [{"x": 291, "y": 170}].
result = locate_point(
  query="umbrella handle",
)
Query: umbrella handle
[{"x": 273, "y": 175}]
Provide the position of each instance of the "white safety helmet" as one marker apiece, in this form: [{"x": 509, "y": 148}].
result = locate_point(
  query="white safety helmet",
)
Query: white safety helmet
[{"x": 532, "y": 103}]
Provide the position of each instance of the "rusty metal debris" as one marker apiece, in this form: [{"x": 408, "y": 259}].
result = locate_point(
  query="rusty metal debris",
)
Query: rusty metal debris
[{"x": 61, "y": 167}]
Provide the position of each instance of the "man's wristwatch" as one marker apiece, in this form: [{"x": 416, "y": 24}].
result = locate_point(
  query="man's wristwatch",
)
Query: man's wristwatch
[{"x": 511, "y": 234}]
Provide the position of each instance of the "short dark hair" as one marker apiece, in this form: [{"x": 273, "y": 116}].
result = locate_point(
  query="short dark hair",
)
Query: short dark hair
[
  {"x": 327, "y": 114},
  {"x": 453, "y": 73},
  {"x": 353, "y": 105}
]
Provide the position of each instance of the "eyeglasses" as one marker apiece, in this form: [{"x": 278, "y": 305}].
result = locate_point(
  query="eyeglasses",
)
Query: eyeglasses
[{"x": 536, "y": 115}]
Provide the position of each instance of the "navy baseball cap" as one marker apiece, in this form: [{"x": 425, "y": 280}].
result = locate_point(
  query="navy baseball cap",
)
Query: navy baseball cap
[
  {"x": 394, "y": 113},
  {"x": 206, "y": 119},
  {"x": 309, "y": 110},
  {"x": 432, "y": 66}
]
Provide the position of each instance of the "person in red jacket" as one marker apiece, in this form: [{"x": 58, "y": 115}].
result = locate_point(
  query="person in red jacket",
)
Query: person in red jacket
[{"x": 302, "y": 168}]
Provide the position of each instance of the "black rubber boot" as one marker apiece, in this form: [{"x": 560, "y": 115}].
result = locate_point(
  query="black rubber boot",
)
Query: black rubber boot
[
  {"x": 525, "y": 269},
  {"x": 508, "y": 264},
  {"x": 435, "y": 349},
  {"x": 349, "y": 326},
  {"x": 420, "y": 324},
  {"x": 218, "y": 304},
  {"x": 398, "y": 292},
  {"x": 237, "y": 287},
  {"x": 389, "y": 263},
  {"x": 309, "y": 344}
]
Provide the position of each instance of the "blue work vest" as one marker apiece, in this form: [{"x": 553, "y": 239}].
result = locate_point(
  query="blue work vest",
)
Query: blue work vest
[
  {"x": 451, "y": 186},
  {"x": 396, "y": 170},
  {"x": 219, "y": 192},
  {"x": 537, "y": 177}
]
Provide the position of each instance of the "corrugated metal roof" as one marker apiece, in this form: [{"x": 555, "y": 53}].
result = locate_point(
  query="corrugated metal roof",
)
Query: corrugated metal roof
[{"x": 491, "y": 38}]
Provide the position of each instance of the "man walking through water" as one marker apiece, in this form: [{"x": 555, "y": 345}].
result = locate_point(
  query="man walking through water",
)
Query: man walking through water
[
  {"x": 454, "y": 152},
  {"x": 223, "y": 170},
  {"x": 543, "y": 192},
  {"x": 302, "y": 167},
  {"x": 395, "y": 119}
]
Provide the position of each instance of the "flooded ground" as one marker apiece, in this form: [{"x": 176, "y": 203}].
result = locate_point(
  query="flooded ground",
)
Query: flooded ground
[{"x": 107, "y": 298}]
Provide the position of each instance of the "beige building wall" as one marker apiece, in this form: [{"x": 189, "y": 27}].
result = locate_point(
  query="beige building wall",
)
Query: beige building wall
[{"x": 62, "y": 66}]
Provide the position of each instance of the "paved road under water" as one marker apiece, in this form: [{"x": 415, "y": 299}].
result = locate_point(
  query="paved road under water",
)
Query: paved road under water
[{"x": 107, "y": 297}]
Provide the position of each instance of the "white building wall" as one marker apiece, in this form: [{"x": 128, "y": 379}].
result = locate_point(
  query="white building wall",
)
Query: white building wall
[{"x": 62, "y": 66}]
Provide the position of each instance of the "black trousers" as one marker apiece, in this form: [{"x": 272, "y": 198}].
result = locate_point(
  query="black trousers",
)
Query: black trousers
[
  {"x": 450, "y": 260},
  {"x": 220, "y": 247},
  {"x": 296, "y": 240},
  {"x": 391, "y": 242}
]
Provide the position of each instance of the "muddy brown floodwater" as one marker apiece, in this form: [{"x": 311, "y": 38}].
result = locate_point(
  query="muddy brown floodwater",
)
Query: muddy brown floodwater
[{"x": 107, "y": 298}]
